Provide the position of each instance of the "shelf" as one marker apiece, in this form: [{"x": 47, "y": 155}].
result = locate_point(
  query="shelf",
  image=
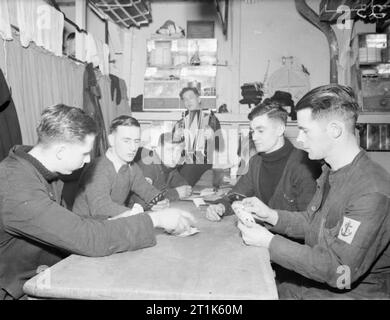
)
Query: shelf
[{"x": 368, "y": 64}]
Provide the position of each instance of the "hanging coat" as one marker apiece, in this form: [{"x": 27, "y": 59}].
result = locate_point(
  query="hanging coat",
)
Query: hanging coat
[
  {"x": 91, "y": 106},
  {"x": 10, "y": 134}
]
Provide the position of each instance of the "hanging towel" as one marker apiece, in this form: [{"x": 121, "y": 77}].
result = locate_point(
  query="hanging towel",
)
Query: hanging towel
[
  {"x": 26, "y": 17},
  {"x": 10, "y": 134},
  {"x": 40, "y": 23},
  {"x": 50, "y": 27},
  {"x": 115, "y": 34},
  {"x": 5, "y": 26},
  {"x": 97, "y": 53}
]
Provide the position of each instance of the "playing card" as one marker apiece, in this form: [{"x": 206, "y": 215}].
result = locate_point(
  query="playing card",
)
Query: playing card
[{"x": 245, "y": 217}]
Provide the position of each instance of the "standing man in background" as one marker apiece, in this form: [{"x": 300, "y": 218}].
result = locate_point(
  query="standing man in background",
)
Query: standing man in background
[{"x": 200, "y": 130}]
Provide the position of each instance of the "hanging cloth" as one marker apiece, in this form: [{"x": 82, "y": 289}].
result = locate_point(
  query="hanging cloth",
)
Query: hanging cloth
[
  {"x": 40, "y": 23},
  {"x": 97, "y": 53},
  {"x": 91, "y": 105},
  {"x": 5, "y": 26},
  {"x": 10, "y": 134},
  {"x": 49, "y": 33}
]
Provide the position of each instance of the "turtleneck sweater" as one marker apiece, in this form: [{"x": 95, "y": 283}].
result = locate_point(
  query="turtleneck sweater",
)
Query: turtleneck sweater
[{"x": 271, "y": 170}]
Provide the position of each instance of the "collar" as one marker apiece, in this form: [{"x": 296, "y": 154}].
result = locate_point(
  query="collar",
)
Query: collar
[
  {"x": 342, "y": 173},
  {"x": 22, "y": 152},
  {"x": 117, "y": 164}
]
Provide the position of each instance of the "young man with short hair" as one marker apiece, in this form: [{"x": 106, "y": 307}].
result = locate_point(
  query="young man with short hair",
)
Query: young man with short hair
[
  {"x": 160, "y": 167},
  {"x": 35, "y": 229},
  {"x": 106, "y": 185},
  {"x": 279, "y": 174},
  {"x": 346, "y": 227}
]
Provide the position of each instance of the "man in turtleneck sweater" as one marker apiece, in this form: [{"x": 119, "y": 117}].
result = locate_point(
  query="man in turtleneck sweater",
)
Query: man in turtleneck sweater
[{"x": 280, "y": 174}]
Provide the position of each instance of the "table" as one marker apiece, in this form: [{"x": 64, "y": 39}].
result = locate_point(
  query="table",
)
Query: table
[{"x": 213, "y": 264}]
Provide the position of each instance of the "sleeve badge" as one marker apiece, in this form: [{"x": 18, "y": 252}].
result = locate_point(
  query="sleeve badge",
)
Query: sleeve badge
[{"x": 348, "y": 230}]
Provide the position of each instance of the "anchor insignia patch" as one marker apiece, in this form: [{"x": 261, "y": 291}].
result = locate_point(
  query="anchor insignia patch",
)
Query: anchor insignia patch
[{"x": 348, "y": 230}]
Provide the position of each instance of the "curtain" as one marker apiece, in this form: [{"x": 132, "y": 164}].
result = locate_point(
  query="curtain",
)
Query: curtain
[{"x": 39, "y": 79}]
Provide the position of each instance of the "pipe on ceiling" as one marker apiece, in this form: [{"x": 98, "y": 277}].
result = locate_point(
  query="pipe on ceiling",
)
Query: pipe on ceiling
[{"x": 314, "y": 18}]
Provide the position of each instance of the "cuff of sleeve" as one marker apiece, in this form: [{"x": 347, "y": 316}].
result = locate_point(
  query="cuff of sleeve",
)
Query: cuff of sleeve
[
  {"x": 282, "y": 222},
  {"x": 143, "y": 234}
]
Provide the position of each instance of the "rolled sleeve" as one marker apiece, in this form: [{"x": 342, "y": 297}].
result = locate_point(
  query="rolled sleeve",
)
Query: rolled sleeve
[{"x": 292, "y": 223}]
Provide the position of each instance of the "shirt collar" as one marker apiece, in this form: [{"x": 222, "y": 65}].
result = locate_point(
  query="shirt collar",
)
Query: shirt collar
[
  {"x": 117, "y": 164},
  {"x": 342, "y": 173}
]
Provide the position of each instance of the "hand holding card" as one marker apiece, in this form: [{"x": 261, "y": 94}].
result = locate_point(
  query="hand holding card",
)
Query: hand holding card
[{"x": 244, "y": 216}]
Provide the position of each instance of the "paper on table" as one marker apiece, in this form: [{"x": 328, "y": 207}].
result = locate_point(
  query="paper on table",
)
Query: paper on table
[
  {"x": 207, "y": 192},
  {"x": 190, "y": 232},
  {"x": 199, "y": 202}
]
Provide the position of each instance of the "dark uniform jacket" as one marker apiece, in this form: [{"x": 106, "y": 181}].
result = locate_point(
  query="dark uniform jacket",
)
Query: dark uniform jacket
[
  {"x": 346, "y": 235},
  {"x": 160, "y": 176},
  {"x": 296, "y": 186},
  {"x": 36, "y": 230}
]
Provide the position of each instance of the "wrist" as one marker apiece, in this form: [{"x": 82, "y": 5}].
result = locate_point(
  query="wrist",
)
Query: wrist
[{"x": 270, "y": 237}]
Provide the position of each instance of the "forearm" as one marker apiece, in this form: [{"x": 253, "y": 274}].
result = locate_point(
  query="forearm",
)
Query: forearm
[
  {"x": 316, "y": 265},
  {"x": 292, "y": 224},
  {"x": 49, "y": 223},
  {"x": 140, "y": 186}
]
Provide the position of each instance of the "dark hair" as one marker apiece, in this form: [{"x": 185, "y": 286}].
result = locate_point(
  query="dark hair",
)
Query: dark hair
[
  {"x": 64, "y": 123},
  {"x": 184, "y": 90},
  {"x": 123, "y": 121},
  {"x": 168, "y": 137},
  {"x": 272, "y": 109},
  {"x": 329, "y": 100}
]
